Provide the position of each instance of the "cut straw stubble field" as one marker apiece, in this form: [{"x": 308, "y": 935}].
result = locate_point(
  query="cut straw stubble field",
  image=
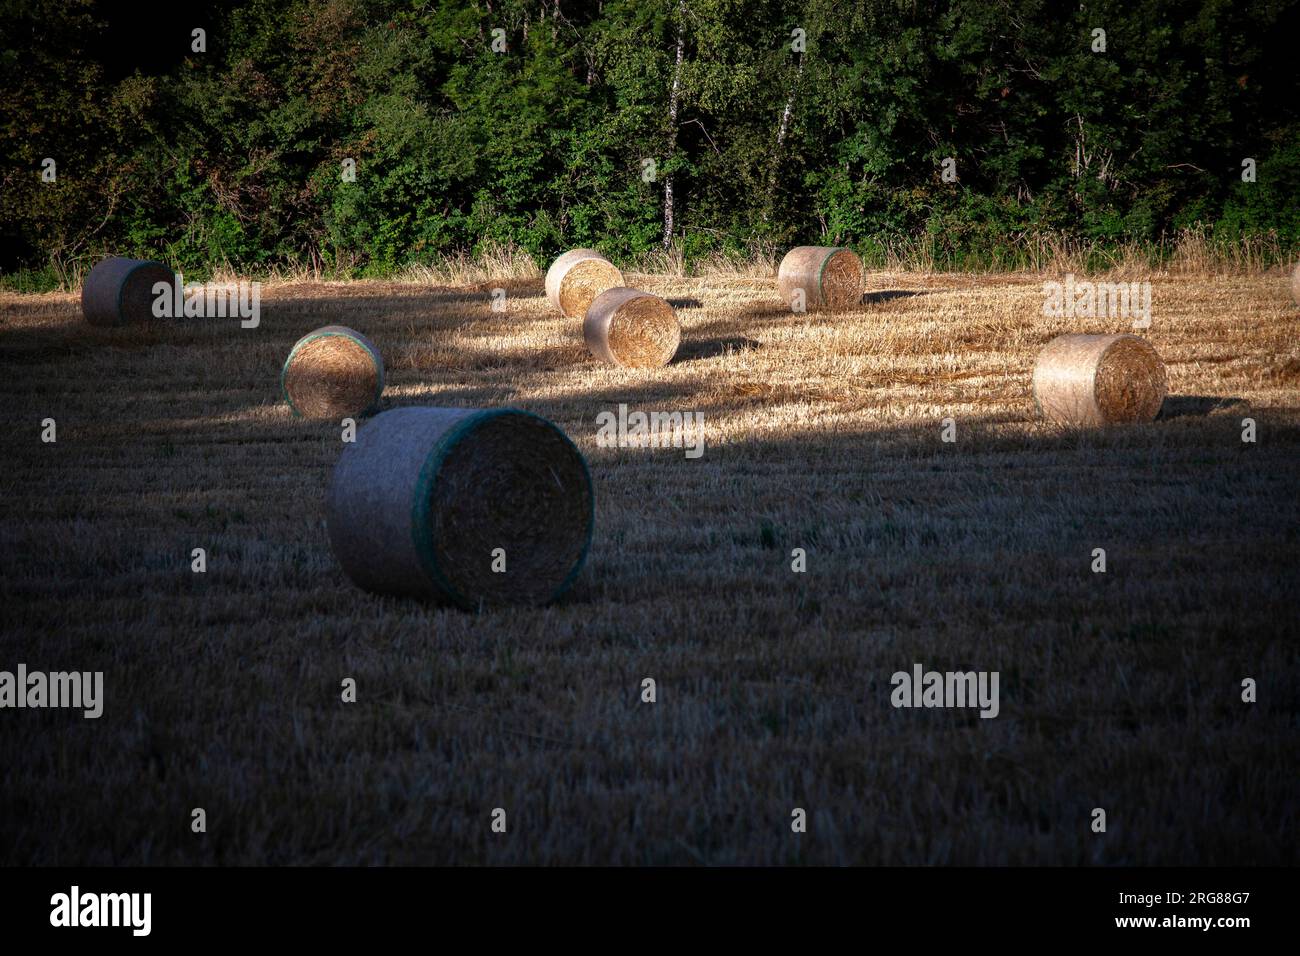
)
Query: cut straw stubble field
[{"x": 222, "y": 689}]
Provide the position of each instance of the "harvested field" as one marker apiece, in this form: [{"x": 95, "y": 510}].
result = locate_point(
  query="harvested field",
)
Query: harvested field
[{"x": 1119, "y": 690}]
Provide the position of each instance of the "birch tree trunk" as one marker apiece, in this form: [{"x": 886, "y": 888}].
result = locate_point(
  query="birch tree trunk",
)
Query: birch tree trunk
[
  {"x": 673, "y": 94},
  {"x": 789, "y": 107},
  {"x": 781, "y": 130}
]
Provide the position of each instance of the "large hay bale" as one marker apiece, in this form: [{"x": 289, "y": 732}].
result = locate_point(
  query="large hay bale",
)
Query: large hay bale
[
  {"x": 333, "y": 372},
  {"x": 1295, "y": 283},
  {"x": 577, "y": 277},
  {"x": 421, "y": 501},
  {"x": 830, "y": 277},
  {"x": 1099, "y": 380},
  {"x": 631, "y": 328},
  {"x": 117, "y": 290}
]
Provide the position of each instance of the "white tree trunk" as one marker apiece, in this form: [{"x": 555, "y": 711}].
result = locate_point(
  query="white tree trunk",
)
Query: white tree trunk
[
  {"x": 789, "y": 106},
  {"x": 781, "y": 130},
  {"x": 673, "y": 94}
]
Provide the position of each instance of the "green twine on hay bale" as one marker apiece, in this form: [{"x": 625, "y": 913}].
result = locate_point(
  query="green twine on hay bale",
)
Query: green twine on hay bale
[
  {"x": 1087, "y": 380},
  {"x": 577, "y": 277},
  {"x": 118, "y": 291},
  {"x": 475, "y": 508},
  {"x": 334, "y": 372},
  {"x": 830, "y": 278}
]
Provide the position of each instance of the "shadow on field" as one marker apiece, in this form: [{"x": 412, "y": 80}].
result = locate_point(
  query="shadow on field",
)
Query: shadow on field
[
  {"x": 888, "y": 295},
  {"x": 967, "y": 556},
  {"x": 768, "y": 310},
  {"x": 777, "y": 310},
  {"x": 327, "y": 306},
  {"x": 1181, "y": 406},
  {"x": 686, "y": 303},
  {"x": 440, "y": 307},
  {"x": 40, "y": 344},
  {"x": 515, "y": 288},
  {"x": 403, "y": 292},
  {"x": 713, "y": 348},
  {"x": 29, "y": 308}
]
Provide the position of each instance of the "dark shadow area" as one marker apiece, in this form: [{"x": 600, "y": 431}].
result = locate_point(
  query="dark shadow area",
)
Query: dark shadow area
[
  {"x": 73, "y": 337},
  {"x": 768, "y": 310},
  {"x": 717, "y": 328},
  {"x": 686, "y": 303},
  {"x": 888, "y": 295},
  {"x": 712, "y": 348},
  {"x": 1180, "y": 406},
  {"x": 286, "y": 317},
  {"x": 281, "y": 303},
  {"x": 970, "y": 555},
  {"x": 515, "y": 288},
  {"x": 26, "y": 308}
]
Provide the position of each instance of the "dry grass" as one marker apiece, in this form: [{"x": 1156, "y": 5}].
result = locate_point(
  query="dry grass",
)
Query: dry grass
[
  {"x": 1118, "y": 690},
  {"x": 1192, "y": 251}
]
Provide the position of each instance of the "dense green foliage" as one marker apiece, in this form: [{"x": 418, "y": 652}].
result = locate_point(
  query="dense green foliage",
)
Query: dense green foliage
[{"x": 234, "y": 156}]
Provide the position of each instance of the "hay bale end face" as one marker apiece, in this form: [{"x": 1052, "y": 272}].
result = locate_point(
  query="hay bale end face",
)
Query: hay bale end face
[
  {"x": 118, "y": 291},
  {"x": 334, "y": 372},
  {"x": 830, "y": 277},
  {"x": 420, "y": 504},
  {"x": 577, "y": 277},
  {"x": 1099, "y": 380},
  {"x": 631, "y": 328}
]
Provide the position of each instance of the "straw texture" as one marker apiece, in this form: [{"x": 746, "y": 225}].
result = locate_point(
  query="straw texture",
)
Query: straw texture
[
  {"x": 420, "y": 501},
  {"x": 577, "y": 277},
  {"x": 1295, "y": 283},
  {"x": 631, "y": 328},
  {"x": 1099, "y": 380},
  {"x": 117, "y": 290},
  {"x": 831, "y": 277},
  {"x": 333, "y": 372}
]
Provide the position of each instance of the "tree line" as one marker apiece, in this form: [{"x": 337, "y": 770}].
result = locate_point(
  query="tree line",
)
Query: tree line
[{"x": 368, "y": 135}]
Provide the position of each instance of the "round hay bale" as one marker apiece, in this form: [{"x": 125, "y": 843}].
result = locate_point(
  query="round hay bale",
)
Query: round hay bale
[
  {"x": 1295, "y": 283},
  {"x": 333, "y": 372},
  {"x": 631, "y": 328},
  {"x": 577, "y": 277},
  {"x": 1099, "y": 380},
  {"x": 117, "y": 291},
  {"x": 830, "y": 277},
  {"x": 422, "y": 500}
]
